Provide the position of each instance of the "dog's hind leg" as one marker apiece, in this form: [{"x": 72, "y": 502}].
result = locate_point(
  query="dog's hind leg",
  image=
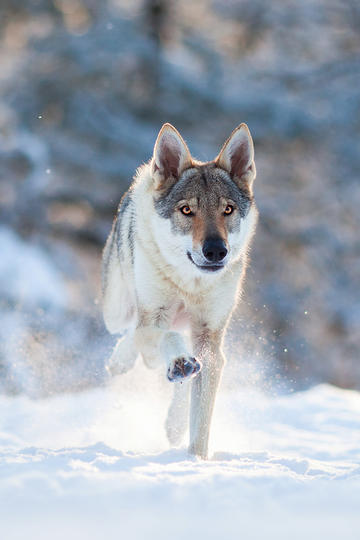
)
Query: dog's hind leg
[
  {"x": 123, "y": 356},
  {"x": 178, "y": 414}
]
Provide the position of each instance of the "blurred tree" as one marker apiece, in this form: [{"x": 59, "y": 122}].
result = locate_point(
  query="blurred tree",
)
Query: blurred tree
[{"x": 84, "y": 88}]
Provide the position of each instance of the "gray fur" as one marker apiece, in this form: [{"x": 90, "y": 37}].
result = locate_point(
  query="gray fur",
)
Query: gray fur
[
  {"x": 207, "y": 183},
  {"x": 124, "y": 202},
  {"x": 107, "y": 253},
  {"x": 122, "y": 235},
  {"x": 131, "y": 236},
  {"x": 118, "y": 235}
]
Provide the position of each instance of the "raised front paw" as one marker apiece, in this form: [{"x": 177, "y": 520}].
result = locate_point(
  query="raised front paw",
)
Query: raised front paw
[{"x": 183, "y": 367}]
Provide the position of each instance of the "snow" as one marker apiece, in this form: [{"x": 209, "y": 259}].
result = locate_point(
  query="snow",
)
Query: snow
[{"x": 97, "y": 465}]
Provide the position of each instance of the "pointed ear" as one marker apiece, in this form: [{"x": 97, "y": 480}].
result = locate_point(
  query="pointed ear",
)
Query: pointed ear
[
  {"x": 171, "y": 157},
  {"x": 237, "y": 156}
]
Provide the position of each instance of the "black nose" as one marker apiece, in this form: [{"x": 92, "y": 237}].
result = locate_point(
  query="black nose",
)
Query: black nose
[{"x": 214, "y": 249}]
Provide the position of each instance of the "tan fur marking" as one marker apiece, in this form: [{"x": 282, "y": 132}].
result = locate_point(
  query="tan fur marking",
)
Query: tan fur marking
[
  {"x": 202, "y": 227},
  {"x": 199, "y": 228},
  {"x": 206, "y": 341},
  {"x": 221, "y": 227}
]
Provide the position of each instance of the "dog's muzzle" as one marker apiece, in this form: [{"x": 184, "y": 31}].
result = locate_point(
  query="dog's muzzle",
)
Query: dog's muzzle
[{"x": 206, "y": 267}]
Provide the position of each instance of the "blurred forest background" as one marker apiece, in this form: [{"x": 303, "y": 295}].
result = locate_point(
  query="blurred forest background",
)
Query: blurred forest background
[{"x": 84, "y": 88}]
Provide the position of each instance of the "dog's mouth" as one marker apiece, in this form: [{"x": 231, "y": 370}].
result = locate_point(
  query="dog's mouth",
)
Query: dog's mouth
[{"x": 206, "y": 267}]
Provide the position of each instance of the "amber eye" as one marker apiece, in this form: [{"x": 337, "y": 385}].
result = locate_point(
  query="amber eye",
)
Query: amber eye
[
  {"x": 229, "y": 210},
  {"x": 186, "y": 210}
]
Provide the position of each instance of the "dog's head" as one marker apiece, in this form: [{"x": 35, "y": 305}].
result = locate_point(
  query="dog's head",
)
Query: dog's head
[{"x": 205, "y": 212}]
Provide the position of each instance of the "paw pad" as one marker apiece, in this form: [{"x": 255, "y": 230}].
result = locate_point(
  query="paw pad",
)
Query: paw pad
[{"x": 182, "y": 368}]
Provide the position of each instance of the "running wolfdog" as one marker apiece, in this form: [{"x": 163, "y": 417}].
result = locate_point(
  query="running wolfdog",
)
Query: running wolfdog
[{"x": 174, "y": 262}]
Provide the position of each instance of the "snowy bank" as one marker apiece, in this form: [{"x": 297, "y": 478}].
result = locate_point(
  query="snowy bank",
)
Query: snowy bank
[{"x": 97, "y": 465}]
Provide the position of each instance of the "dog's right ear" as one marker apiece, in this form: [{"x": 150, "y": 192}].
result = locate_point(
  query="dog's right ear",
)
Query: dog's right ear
[
  {"x": 171, "y": 157},
  {"x": 237, "y": 156}
]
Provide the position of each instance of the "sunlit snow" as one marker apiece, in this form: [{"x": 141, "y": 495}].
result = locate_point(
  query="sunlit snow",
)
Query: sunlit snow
[{"x": 97, "y": 465}]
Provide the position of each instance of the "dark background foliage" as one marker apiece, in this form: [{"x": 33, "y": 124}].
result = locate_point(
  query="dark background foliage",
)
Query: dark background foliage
[{"x": 85, "y": 87}]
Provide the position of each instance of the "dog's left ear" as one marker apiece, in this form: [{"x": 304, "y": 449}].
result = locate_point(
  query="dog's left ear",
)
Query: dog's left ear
[
  {"x": 171, "y": 157},
  {"x": 237, "y": 156}
]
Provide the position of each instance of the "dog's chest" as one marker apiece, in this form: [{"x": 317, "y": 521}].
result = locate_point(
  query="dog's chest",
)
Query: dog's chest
[{"x": 181, "y": 317}]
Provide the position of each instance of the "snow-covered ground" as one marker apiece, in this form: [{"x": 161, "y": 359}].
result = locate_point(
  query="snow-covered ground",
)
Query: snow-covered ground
[{"x": 97, "y": 465}]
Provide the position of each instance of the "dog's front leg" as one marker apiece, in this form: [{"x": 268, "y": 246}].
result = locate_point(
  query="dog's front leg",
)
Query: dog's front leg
[
  {"x": 180, "y": 363},
  {"x": 207, "y": 346},
  {"x": 155, "y": 343}
]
